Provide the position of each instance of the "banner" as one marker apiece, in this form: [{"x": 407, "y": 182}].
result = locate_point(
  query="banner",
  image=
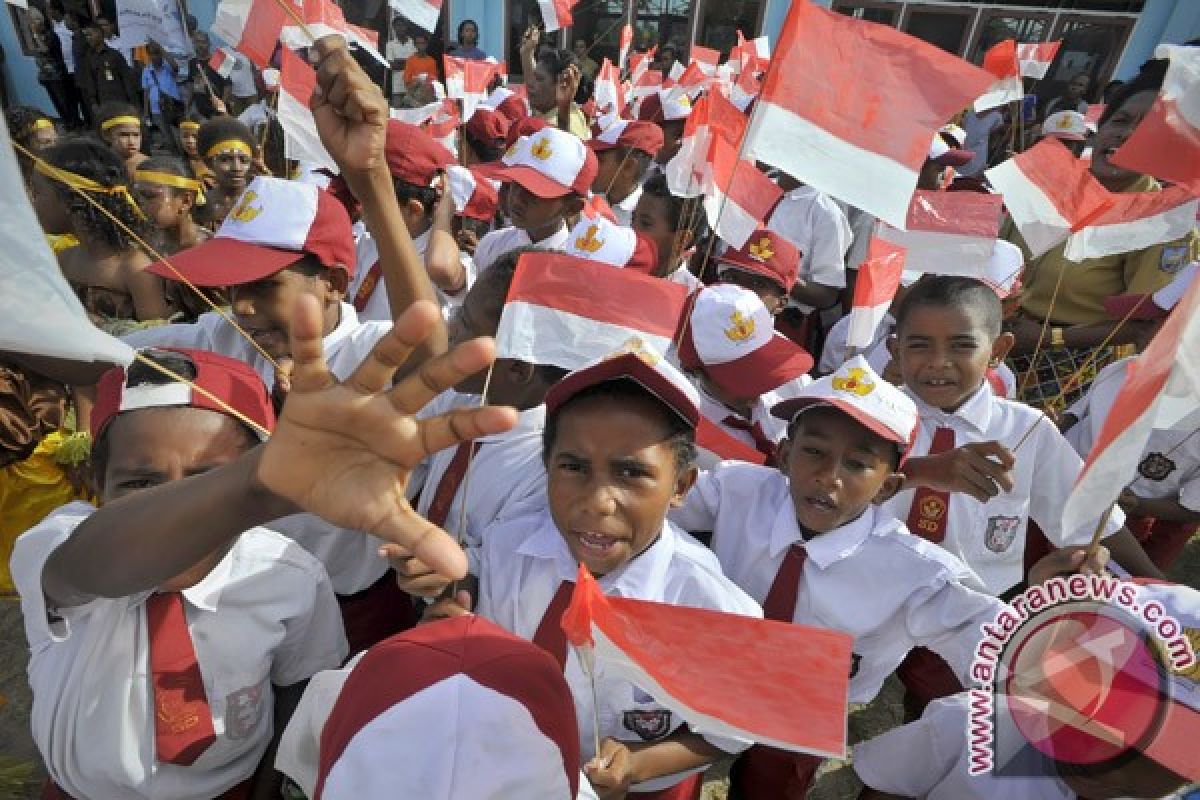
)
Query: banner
[{"x": 142, "y": 20}]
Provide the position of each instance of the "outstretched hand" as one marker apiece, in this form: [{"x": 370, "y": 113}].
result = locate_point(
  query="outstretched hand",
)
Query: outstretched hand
[
  {"x": 350, "y": 110},
  {"x": 344, "y": 450}
]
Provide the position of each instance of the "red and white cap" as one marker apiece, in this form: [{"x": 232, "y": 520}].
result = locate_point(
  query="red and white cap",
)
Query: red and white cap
[
  {"x": 640, "y": 364},
  {"x": 526, "y": 126},
  {"x": 475, "y": 197},
  {"x": 599, "y": 239},
  {"x": 731, "y": 336},
  {"x": 942, "y": 153},
  {"x": 549, "y": 163},
  {"x": 665, "y": 105},
  {"x": 638, "y": 134},
  {"x": 1152, "y": 306},
  {"x": 856, "y": 390},
  {"x": 274, "y": 224},
  {"x": 488, "y": 127},
  {"x": 413, "y": 156},
  {"x": 457, "y": 708},
  {"x": 507, "y": 103},
  {"x": 768, "y": 254},
  {"x": 231, "y": 381},
  {"x": 1068, "y": 125},
  {"x": 1003, "y": 270}
]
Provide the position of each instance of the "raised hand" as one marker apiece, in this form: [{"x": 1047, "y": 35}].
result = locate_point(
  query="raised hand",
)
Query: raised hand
[{"x": 350, "y": 110}]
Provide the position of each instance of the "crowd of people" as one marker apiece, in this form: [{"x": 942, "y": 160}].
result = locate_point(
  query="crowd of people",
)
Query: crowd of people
[{"x": 316, "y": 540}]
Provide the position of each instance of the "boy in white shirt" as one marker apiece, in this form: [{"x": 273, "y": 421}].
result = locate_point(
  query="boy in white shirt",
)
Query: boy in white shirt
[
  {"x": 659, "y": 215},
  {"x": 809, "y": 542},
  {"x": 624, "y": 152},
  {"x": 619, "y": 445}
]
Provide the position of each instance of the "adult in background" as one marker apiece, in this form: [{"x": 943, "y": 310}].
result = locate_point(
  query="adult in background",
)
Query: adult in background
[
  {"x": 81, "y": 53},
  {"x": 552, "y": 79},
  {"x": 66, "y": 40},
  {"x": 399, "y": 48},
  {"x": 587, "y": 64},
  {"x": 52, "y": 69},
  {"x": 208, "y": 88},
  {"x": 109, "y": 77},
  {"x": 1072, "y": 98},
  {"x": 243, "y": 85},
  {"x": 468, "y": 41},
  {"x": 162, "y": 97}
]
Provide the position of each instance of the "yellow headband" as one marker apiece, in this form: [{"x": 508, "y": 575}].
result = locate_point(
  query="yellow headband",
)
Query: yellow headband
[
  {"x": 86, "y": 184},
  {"x": 229, "y": 146},
  {"x": 188, "y": 125},
  {"x": 174, "y": 181},
  {"x": 39, "y": 125},
  {"x": 108, "y": 124}
]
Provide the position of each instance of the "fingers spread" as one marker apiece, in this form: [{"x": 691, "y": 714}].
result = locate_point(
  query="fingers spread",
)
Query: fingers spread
[
  {"x": 439, "y": 374},
  {"x": 309, "y": 371},
  {"x": 446, "y": 430},
  {"x": 375, "y": 373}
]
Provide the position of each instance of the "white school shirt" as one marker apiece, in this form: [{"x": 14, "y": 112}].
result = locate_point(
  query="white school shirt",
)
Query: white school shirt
[
  {"x": 525, "y": 559},
  {"x": 814, "y": 223},
  {"x": 869, "y": 578},
  {"x": 623, "y": 210},
  {"x": 1170, "y": 462},
  {"x": 835, "y": 352},
  {"x": 717, "y": 412},
  {"x": 377, "y": 307},
  {"x": 506, "y": 472},
  {"x": 265, "y": 615},
  {"x": 350, "y": 557},
  {"x": 929, "y": 759},
  {"x": 990, "y": 537},
  {"x": 502, "y": 240}
]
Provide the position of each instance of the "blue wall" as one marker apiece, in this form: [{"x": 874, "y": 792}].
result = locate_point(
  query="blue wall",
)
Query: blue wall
[
  {"x": 20, "y": 71},
  {"x": 1170, "y": 21},
  {"x": 490, "y": 16}
]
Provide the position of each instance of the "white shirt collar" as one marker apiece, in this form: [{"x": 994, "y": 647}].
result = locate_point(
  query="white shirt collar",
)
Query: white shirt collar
[
  {"x": 554, "y": 241},
  {"x": 346, "y": 325},
  {"x": 975, "y": 412},
  {"x": 205, "y": 593},
  {"x": 826, "y": 548}
]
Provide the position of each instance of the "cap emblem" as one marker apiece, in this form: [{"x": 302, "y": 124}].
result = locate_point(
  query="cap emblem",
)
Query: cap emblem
[
  {"x": 588, "y": 243},
  {"x": 541, "y": 149},
  {"x": 761, "y": 250},
  {"x": 741, "y": 327},
  {"x": 635, "y": 345},
  {"x": 855, "y": 382}
]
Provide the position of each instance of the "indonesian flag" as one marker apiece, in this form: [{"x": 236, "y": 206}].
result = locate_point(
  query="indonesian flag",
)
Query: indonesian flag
[
  {"x": 568, "y": 312},
  {"x": 222, "y": 62},
  {"x": 322, "y": 18},
  {"x": 705, "y": 59},
  {"x": 751, "y": 56},
  {"x": 713, "y": 115},
  {"x": 468, "y": 80},
  {"x": 1049, "y": 193},
  {"x": 1136, "y": 220},
  {"x": 745, "y": 89},
  {"x": 626, "y": 44},
  {"x": 737, "y": 196},
  {"x": 639, "y": 64},
  {"x": 609, "y": 94},
  {"x": 949, "y": 233},
  {"x": 1161, "y": 390},
  {"x": 707, "y": 667},
  {"x": 416, "y": 116},
  {"x": 1001, "y": 62},
  {"x": 1036, "y": 57},
  {"x": 443, "y": 125},
  {"x": 646, "y": 84},
  {"x": 301, "y": 140},
  {"x": 1167, "y": 142},
  {"x": 878, "y": 280},
  {"x": 856, "y": 127},
  {"x": 252, "y": 27},
  {"x": 424, "y": 13},
  {"x": 557, "y": 13},
  {"x": 692, "y": 80}
]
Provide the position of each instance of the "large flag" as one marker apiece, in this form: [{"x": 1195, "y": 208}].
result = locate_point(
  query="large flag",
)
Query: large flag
[
  {"x": 847, "y": 107},
  {"x": 1049, "y": 193},
  {"x": 1161, "y": 390},
  {"x": 252, "y": 27},
  {"x": 876, "y": 285},
  {"x": 569, "y": 312},
  {"x": 949, "y": 233},
  {"x": 557, "y": 13},
  {"x": 738, "y": 197},
  {"x": 1135, "y": 220},
  {"x": 324, "y": 18},
  {"x": 1001, "y": 62},
  {"x": 424, "y": 13},
  {"x": 1167, "y": 142},
  {"x": 301, "y": 140},
  {"x": 468, "y": 80},
  {"x": 707, "y": 667},
  {"x": 39, "y": 314},
  {"x": 1036, "y": 57}
]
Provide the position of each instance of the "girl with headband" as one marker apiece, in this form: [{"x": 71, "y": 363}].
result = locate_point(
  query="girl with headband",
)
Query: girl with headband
[
  {"x": 228, "y": 149},
  {"x": 189, "y": 133},
  {"x": 82, "y": 188},
  {"x": 31, "y": 129},
  {"x": 121, "y": 129}
]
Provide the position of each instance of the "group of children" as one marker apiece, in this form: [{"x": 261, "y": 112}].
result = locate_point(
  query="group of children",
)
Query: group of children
[{"x": 277, "y": 477}]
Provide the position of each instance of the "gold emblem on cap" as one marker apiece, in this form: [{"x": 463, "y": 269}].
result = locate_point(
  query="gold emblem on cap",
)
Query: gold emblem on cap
[
  {"x": 741, "y": 327},
  {"x": 244, "y": 212},
  {"x": 588, "y": 243},
  {"x": 855, "y": 382},
  {"x": 512, "y": 149},
  {"x": 684, "y": 100},
  {"x": 1065, "y": 122},
  {"x": 761, "y": 250},
  {"x": 637, "y": 346},
  {"x": 541, "y": 149}
]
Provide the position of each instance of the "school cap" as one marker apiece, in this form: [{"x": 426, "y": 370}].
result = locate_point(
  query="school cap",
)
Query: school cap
[
  {"x": 855, "y": 390},
  {"x": 641, "y": 365},
  {"x": 489, "y": 127},
  {"x": 1069, "y": 125},
  {"x": 665, "y": 105},
  {"x": 634, "y": 133},
  {"x": 731, "y": 336},
  {"x": 1152, "y": 306},
  {"x": 457, "y": 708},
  {"x": 1003, "y": 270},
  {"x": 768, "y": 254},
  {"x": 507, "y": 104},
  {"x": 550, "y": 163},
  {"x": 600, "y": 239},
  {"x": 954, "y": 135},
  {"x": 942, "y": 153},
  {"x": 412, "y": 155},
  {"x": 274, "y": 224},
  {"x": 475, "y": 197},
  {"x": 526, "y": 126},
  {"x": 229, "y": 380}
]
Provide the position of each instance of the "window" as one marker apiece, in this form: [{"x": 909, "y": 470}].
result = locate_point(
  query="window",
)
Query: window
[
  {"x": 945, "y": 28},
  {"x": 720, "y": 20},
  {"x": 883, "y": 13}
]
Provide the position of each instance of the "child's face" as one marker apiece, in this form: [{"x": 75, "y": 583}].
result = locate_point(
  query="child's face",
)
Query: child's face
[
  {"x": 162, "y": 206},
  {"x": 231, "y": 171},
  {"x": 263, "y": 308},
  {"x": 187, "y": 140},
  {"x": 650, "y": 218},
  {"x": 126, "y": 140},
  {"x": 531, "y": 213},
  {"x": 836, "y": 468},
  {"x": 771, "y": 293},
  {"x": 944, "y": 353},
  {"x": 611, "y": 478}
]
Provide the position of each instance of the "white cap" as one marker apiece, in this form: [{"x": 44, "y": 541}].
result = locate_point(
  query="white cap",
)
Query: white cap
[
  {"x": 599, "y": 239},
  {"x": 1003, "y": 271},
  {"x": 1069, "y": 125},
  {"x": 549, "y": 162}
]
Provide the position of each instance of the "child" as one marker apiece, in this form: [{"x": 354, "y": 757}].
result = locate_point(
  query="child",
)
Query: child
[
  {"x": 547, "y": 175},
  {"x": 618, "y": 449},
  {"x": 228, "y": 149},
  {"x": 819, "y": 229},
  {"x": 659, "y": 215},
  {"x": 624, "y": 153},
  {"x": 669, "y": 110},
  {"x": 189, "y": 131},
  {"x": 121, "y": 129},
  {"x": 810, "y": 543},
  {"x": 215, "y": 622},
  {"x": 767, "y": 265},
  {"x": 731, "y": 352}
]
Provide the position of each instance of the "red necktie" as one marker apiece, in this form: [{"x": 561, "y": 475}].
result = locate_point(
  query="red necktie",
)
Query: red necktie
[
  {"x": 927, "y": 518},
  {"x": 761, "y": 443},
  {"x": 183, "y": 725},
  {"x": 550, "y": 636},
  {"x": 452, "y": 478},
  {"x": 367, "y": 287},
  {"x": 780, "y": 604}
]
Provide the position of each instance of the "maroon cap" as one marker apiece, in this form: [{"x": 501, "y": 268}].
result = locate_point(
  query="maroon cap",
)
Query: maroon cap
[
  {"x": 768, "y": 254},
  {"x": 524, "y": 127},
  {"x": 413, "y": 156},
  {"x": 489, "y": 127},
  {"x": 658, "y": 378},
  {"x": 637, "y": 134}
]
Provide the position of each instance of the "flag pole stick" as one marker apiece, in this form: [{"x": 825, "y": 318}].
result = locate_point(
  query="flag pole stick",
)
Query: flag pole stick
[{"x": 1099, "y": 532}]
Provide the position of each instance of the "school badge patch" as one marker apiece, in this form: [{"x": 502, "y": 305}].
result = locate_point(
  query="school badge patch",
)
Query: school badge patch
[
  {"x": 1173, "y": 258},
  {"x": 649, "y": 725},
  {"x": 1156, "y": 467},
  {"x": 1001, "y": 531},
  {"x": 243, "y": 710}
]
